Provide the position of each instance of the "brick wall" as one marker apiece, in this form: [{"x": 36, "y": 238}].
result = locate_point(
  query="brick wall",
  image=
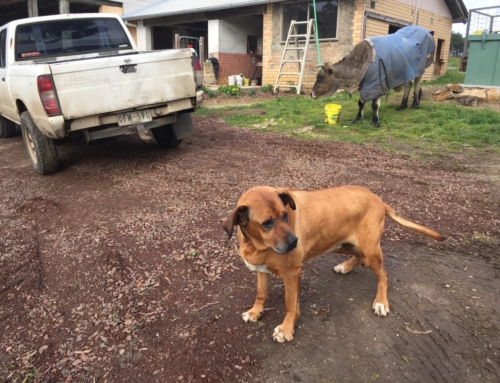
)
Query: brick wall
[
  {"x": 231, "y": 50},
  {"x": 230, "y": 64},
  {"x": 440, "y": 24},
  {"x": 349, "y": 33},
  {"x": 331, "y": 51}
]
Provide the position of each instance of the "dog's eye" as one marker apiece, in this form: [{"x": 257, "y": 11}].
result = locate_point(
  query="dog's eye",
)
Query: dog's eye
[
  {"x": 285, "y": 217},
  {"x": 269, "y": 224}
]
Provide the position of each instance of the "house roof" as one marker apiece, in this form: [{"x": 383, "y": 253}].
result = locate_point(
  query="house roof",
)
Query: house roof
[
  {"x": 181, "y": 7},
  {"x": 458, "y": 10}
]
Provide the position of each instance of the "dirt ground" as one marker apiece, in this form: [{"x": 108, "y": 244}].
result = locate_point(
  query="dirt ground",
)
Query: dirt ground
[{"x": 116, "y": 269}]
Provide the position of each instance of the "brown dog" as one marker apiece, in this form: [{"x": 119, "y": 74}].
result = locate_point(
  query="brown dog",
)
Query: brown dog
[{"x": 281, "y": 228}]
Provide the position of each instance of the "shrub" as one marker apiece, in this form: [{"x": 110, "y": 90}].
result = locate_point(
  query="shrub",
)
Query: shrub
[
  {"x": 267, "y": 88},
  {"x": 212, "y": 94},
  {"x": 230, "y": 90}
]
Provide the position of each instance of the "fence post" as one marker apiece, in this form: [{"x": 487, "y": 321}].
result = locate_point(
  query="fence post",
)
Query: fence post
[
  {"x": 177, "y": 43},
  {"x": 201, "y": 48}
]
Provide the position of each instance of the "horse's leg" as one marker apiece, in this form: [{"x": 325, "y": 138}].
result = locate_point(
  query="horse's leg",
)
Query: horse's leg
[
  {"x": 359, "y": 116},
  {"x": 406, "y": 95},
  {"x": 417, "y": 94},
  {"x": 375, "y": 108}
]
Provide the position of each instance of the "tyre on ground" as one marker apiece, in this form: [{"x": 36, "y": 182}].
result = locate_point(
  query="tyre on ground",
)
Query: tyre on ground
[
  {"x": 7, "y": 128},
  {"x": 165, "y": 137},
  {"x": 41, "y": 150}
]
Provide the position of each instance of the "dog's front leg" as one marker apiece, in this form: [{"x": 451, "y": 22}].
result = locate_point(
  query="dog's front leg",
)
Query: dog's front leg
[
  {"x": 292, "y": 291},
  {"x": 256, "y": 311}
]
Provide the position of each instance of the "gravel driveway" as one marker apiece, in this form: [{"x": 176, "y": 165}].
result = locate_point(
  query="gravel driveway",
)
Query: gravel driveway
[{"x": 116, "y": 269}]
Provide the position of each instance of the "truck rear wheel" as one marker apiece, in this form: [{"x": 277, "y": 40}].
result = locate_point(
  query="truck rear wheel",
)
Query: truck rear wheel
[
  {"x": 7, "y": 128},
  {"x": 165, "y": 137},
  {"x": 41, "y": 150}
]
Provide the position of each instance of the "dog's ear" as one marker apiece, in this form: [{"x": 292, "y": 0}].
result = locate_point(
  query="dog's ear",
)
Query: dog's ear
[
  {"x": 287, "y": 200},
  {"x": 239, "y": 216}
]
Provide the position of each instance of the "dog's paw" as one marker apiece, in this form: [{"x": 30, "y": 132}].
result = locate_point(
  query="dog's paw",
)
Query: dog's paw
[
  {"x": 340, "y": 269},
  {"x": 251, "y": 316},
  {"x": 281, "y": 335},
  {"x": 380, "y": 309}
]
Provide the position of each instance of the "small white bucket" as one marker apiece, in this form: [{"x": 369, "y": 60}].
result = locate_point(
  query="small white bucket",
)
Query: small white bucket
[
  {"x": 231, "y": 80},
  {"x": 239, "y": 80}
]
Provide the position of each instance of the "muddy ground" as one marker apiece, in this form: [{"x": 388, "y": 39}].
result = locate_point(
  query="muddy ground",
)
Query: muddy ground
[{"x": 116, "y": 269}]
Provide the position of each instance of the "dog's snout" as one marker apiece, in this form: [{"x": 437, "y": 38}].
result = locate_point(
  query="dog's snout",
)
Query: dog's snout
[
  {"x": 289, "y": 244},
  {"x": 292, "y": 241}
]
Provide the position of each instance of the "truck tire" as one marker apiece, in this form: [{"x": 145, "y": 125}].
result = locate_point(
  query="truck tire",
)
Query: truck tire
[
  {"x": 41, "y": 150},
  {"x": 165, "y": 137},
  {"x": 7, "y": 128}
]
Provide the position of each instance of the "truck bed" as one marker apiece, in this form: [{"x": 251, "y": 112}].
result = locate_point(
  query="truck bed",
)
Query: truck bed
[{"x": 122, "y": 82}]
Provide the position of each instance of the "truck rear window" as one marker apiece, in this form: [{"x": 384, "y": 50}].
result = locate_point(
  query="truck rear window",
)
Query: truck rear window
[{"x": 72, "y": 36}]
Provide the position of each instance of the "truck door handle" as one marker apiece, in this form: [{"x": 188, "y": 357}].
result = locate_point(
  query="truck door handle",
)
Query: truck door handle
[
  {"x": 3, "y": 79},
  {"x": 128, "y": 68}
]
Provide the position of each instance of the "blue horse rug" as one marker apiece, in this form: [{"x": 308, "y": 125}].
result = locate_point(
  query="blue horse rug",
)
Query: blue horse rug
[{"x": 397, "y": 59}]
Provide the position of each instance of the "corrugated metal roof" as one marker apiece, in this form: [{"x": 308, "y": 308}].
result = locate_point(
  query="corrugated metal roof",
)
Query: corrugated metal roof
[
  {"x": 180, "y": 7},
  {"x": 458, "y": 10}
]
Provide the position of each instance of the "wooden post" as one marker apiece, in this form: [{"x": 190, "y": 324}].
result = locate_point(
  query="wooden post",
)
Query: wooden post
[
  {"x": 63, "y": 6},
  {"x": 32, "y": 8},
  {"x": 177, "y": 42},
  {"x": 202, "y": 51}
]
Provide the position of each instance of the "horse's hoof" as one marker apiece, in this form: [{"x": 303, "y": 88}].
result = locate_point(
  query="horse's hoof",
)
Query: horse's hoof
[
  {"x": 376, "y": 124},
  {"x": 415, "y": 106},
  {"x": 401, "y": 107},
  {"x": 355, "y": 121}
]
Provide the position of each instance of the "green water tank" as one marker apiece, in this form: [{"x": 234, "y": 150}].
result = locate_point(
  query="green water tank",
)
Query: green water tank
[{"x": 483, "y": 64}]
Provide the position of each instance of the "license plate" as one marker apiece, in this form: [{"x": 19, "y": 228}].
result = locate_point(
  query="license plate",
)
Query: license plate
[{"x": 132, "y": 118}]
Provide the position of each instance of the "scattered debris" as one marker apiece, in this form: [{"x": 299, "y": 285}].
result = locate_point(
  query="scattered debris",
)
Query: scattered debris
[
  {"x": 468, "y": 101},
  {"x": 415, "y": 331}
]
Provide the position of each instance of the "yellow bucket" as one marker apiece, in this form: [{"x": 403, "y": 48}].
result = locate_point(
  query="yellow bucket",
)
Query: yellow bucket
[
  {"x": 332, "y": 112},
  {"x": 246, "y": 82}
]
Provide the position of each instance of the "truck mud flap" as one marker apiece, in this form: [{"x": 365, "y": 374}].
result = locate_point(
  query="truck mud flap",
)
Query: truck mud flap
[{"x": 183, "y": 127}]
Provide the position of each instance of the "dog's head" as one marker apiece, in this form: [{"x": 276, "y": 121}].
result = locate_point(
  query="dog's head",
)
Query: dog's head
[{"x": 262, "y": 215}]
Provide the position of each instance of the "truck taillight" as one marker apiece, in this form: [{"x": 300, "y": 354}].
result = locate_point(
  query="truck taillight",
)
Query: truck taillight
[
  {"x": 48, "y": 95},
  {"x": 198, "y": 72},
  {"x": 196, "y": 63}
]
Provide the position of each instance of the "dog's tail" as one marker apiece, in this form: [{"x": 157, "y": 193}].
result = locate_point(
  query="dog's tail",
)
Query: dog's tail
[{"x": 410, "y": 225}]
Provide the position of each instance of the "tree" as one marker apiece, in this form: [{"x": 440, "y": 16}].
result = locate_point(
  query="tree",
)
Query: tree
[{"x": 456, "y": 44}]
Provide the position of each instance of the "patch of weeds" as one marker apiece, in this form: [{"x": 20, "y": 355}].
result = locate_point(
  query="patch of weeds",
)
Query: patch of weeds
[
  {"x": 230, "y": 90},
  {"x": 212, "y": 93},
  {"x": 252, "y": 92},
  {"x": 31, "y": 374},
  {"x": 267, "y": 88}
]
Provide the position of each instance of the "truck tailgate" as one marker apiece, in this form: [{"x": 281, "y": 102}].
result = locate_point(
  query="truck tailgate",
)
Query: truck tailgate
[{"x": 111, "y": 84}]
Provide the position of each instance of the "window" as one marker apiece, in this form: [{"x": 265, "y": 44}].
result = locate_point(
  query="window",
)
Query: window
[
  {"x": 3, "y": 48},
  {"x": 54, "y": 38},
  {"x": 393, "y": 28},
  {"x": 327, "y": 12}
]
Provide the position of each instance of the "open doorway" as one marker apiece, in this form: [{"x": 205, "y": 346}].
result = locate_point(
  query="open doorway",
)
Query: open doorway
[{"x": 438, "y": 58}]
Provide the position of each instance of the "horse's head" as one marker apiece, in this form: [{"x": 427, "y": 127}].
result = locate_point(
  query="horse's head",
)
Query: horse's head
[{"x": 326, "y": 82}]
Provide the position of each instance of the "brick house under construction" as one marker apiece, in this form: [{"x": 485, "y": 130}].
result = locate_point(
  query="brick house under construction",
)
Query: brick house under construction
[{"x": 248, "y": 37}]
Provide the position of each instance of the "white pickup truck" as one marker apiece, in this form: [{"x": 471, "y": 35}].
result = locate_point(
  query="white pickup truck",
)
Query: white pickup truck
[{"x": 81, "y": 75}]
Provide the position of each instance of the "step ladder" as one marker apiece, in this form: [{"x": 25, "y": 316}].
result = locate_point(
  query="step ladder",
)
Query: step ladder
[{"x": 293, "y": 39}]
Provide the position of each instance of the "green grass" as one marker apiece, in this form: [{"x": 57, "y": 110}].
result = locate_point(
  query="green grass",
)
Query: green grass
[
  {"x": 434, "y": 128},
  {"x": 452, "y": 76},
  {"x": 453, "y": 62}
]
